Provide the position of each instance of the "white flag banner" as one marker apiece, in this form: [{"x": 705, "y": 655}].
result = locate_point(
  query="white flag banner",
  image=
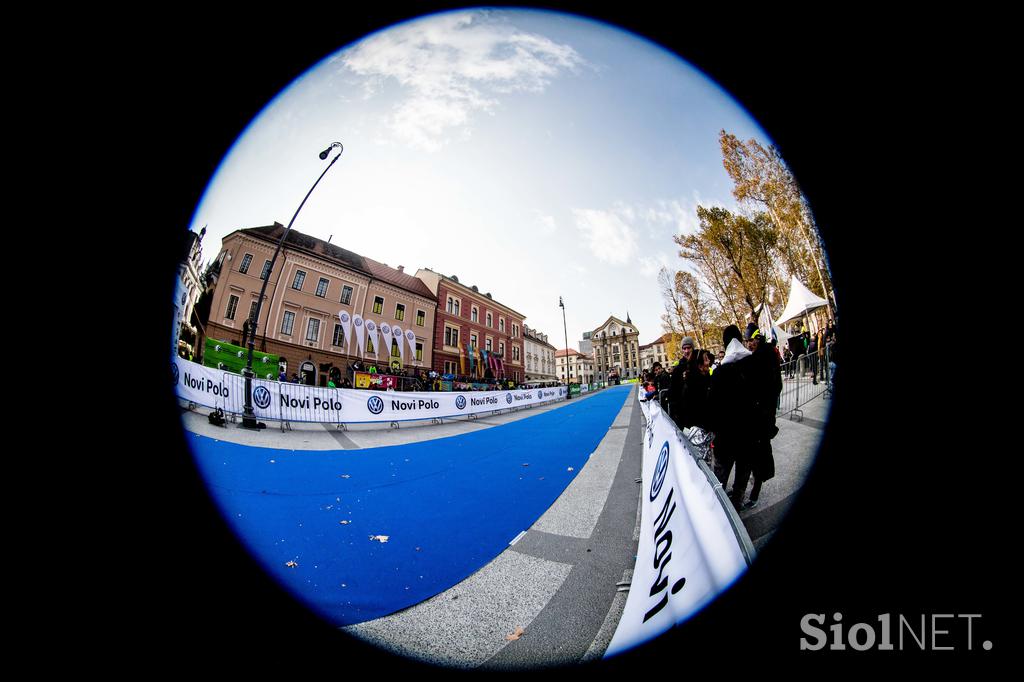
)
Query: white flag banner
[
  {"x": 371, "y": 329},
  {"x": 346, "y": 325},
  {"x": 357, "y": 322},
  {"x": 411, "y": 338},
  {"x": 396, "y": 333},
  {"x": 385, "y": 330},
  {"x": 691, "y": 546}
]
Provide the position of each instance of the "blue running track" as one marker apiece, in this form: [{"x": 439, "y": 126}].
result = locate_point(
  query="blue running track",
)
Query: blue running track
[{"x": 447, "y": 506}]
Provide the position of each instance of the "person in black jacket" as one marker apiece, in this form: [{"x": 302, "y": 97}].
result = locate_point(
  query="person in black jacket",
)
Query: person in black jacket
[
  {"x": 765, "y": 387},
  {"x": 678, "y": 380},
  {"x": 696, "y": 387},
  {"x": 731, "y": 411}
]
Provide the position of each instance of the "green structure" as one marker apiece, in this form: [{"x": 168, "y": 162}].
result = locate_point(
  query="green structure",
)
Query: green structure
[{"x": 227, "y": 356}]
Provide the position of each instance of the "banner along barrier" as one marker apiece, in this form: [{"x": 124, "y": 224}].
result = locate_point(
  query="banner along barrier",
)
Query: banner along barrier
[
  {"x": 692, "y": 543},
  {"x": 300, "y": 403}
]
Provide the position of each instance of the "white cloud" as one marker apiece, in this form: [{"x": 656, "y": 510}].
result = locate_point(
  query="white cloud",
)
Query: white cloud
[
  {"x": 608, "y": 236},
  {"x": 548, "y": 224},
  {"x": 453, "y": 66},
  {"x": 650, "y": 266}
]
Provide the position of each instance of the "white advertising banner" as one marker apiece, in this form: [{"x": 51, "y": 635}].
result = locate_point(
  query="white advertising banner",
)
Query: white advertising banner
[
  {"x": 346, "y": 323},
  {"x": 689, "y": 548},
  {"x": 300, "y": 403},
  {"x": 371, "y": 329},
  {"x": 411, "y": 338},
  {"x": 357, "y": 322},
  {"x": 396, "y": 334}
]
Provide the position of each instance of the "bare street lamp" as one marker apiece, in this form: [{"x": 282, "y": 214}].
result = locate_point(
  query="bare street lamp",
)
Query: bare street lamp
[
  {"x": 568, "y": 391},
  {"x": 248, "y": 414}
]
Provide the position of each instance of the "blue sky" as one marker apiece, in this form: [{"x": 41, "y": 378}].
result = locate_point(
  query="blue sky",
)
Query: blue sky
[{"x": 533, "y": 154}]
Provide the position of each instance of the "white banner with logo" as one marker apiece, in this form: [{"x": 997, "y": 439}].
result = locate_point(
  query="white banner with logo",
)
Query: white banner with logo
[
  {"x": 371, "y": 329},
  {"x": 357, "y": 322},
  {"x": 346, "y": 323},
  {"x": 410, "y": 336},
  {"x": 300, "y": 403},
  {"x": 396, "y": 333},
  {"x": 689, "y": 550}
]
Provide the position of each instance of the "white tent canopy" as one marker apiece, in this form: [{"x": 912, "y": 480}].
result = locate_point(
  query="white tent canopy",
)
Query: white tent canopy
[{"x": 801, "y": 301}]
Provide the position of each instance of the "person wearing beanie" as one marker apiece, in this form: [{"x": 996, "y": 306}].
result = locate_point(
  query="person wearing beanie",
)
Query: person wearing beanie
[
  {"x": 677, "y": 383},
  {"x": 731, "y": 409}
]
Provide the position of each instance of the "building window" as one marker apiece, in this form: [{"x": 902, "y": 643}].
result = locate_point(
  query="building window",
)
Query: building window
[
  {"x": 252, "y": 311},
  {"x": 474, "y": 314},
  {"x": 300, "y": 277},
  {"x": 472, "y": 340},
  {"x": 395, "y": 351},
  {"x": 421, "y": 318},
  {"x": 289, "y": 322},
  {"x": 490, "y": 320},
  {"x": 339, "y": 336},
  {"x": 244, "y": 268},
  {"x": 399, "y": 311},
  {"x": 321, "y": 288},
  {"x": 266, "y": 270},
  {"x": 346, "y": 295},
  {"x": 501, "y": 349},
  {"x": 369, "y": 345},
  {"x": 313, "y": 330},
  {"x": 501, "y": 324},
  {"x": 378, "y": 305},
  {"x": 419, "y": 352},
  {"x": 451, "y": 336},
  {"x": 487, "y": 345},
  {"x": 232, "y": 306},
  {"x": 449, "y": 367}
]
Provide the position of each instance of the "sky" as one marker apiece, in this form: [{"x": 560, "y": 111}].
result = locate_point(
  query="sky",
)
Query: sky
[{"x": 533, "y": 154}]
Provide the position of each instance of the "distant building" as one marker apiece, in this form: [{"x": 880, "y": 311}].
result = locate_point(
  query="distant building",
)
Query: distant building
[
  {"x": 616, "y": 349},
  {"x": 188, "y": 288},
  {"x": 659, "y": 351},
  {"x": 586, "y": 345},
  {"x": 574, "y": 367},
  {"x": 540, "y": 356},
  {"x": 469, "y": 322},
  {"x": 312, "y": 283}
]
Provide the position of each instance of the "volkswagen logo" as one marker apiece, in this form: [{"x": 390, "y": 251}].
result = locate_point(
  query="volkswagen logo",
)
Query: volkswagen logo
[
  {"x": 344, "y": 317},
  {"x": 386, "y": 329},
  {"x": 397, "y": 331},
  {"x": 659, "y": 472},
  {"x": 409, "y": 335},
  {"x": 508, "y": 398},
  {"x": 375, "y": 405},
  {"x": 371, "y": 326},
  {"x": 358, "y": 321},
  {"x": 174, "y": 373},
  {"x": 460, "y": 402},
  {"x": 261, "y": 396}
]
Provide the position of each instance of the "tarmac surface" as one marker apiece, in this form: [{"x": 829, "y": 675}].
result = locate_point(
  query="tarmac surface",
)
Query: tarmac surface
[{"x": 556, "y": 594}]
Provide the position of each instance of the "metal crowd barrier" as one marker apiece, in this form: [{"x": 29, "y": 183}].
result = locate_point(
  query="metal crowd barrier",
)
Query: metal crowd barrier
[{"x": 804, "y": 379}]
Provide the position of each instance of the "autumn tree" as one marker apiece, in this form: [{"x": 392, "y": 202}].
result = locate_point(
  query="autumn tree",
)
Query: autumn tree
[
  {"x": 688, "y": 309},
  {"x": 735, "y": 256},
  {"x": 762, "y": 179}
]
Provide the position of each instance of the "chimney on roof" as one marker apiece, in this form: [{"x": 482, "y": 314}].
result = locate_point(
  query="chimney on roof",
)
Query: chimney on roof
[{"x": 401, "y": 268}]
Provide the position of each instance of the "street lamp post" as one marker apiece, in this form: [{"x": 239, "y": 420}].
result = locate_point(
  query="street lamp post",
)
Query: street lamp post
[
  {"x": 568, "y": 391},
  {"x": 248, "y": 414}
]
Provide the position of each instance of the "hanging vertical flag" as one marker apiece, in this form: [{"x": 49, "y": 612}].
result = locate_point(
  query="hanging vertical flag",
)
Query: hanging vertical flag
[
  {"x": 346, "y": 322},
  {"x": 472, "y": 359},
  {"x": 411, "y": 338},
  {"x": 487, "y": 360},
  {"x": 462, "y": 362},
  {"x": 396, "y": 334},
  {"x": 357, "y": 322},
  {"x": 385, "y": 330},
  {"x": 371, "y": 329}
]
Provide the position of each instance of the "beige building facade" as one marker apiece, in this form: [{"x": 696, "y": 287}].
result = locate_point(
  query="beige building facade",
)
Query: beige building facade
[
  {"x": 540, "y": 356},
  {"x": 616, "y": 350},
  {"x": 574, "y": 367},
  {"x": 312, "y": 283}
]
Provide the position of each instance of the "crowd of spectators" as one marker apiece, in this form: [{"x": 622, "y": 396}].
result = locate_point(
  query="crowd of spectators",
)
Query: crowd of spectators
[{"x": 732, "y": 395}]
